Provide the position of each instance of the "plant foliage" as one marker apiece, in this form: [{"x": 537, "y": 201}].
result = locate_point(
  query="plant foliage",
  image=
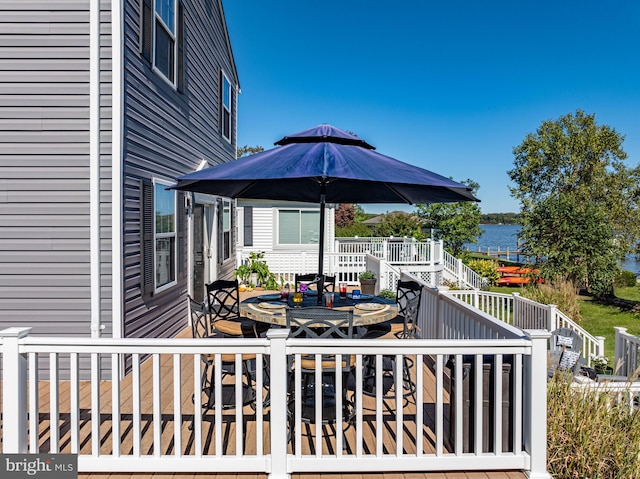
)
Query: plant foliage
[
  {"x": 580, "y": 203},
  {"x": 486, "y": 268},
  {"x": 590, "y": 433},
  {"x": 557, "y": 291},
  {"x": 399, "y": 224},
  {"x": 454, "y": 223}
]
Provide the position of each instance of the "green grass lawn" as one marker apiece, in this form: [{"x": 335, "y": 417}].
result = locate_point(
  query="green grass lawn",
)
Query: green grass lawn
[{"x": 599, "y": 319}]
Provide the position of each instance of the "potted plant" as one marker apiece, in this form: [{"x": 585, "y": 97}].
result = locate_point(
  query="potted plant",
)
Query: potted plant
[
  {"x": 367, "y": 282},
  {"x": 255, "y": 272},
  {"x": 243, "y": 273}
]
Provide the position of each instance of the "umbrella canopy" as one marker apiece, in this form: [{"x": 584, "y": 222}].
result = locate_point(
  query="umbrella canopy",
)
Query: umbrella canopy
[
  {"x": 320, "y": 165},
  {"x": 325, "y": 161}
]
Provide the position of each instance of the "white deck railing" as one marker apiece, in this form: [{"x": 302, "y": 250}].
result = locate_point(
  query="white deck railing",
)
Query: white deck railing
[
  {"x": 623, "y": 393},
  {"x": 525, "y": 313},
  {"x": 348, "y": 260},
  {"x": 627, "y": 353},
  {"x": 156, "y": 395}
]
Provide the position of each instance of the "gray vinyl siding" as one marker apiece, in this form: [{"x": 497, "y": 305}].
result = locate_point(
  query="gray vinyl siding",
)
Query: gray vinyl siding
[
  {"x": 168, "y": 133},
  {"x": 44, "y": 166}
]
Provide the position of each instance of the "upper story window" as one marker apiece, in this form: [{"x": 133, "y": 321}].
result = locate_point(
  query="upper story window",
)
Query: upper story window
[
  {"x": 298, "y": 227},
  {"x": 164, "y": 235},
  {"x": 225, "y": 108},
  {"x": 165, "y": 38},
  {"x": 162, "y": 39}
]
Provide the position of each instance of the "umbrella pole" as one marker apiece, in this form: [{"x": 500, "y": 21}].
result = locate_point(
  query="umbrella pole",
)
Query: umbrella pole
[{"x": 321, "y": 245}]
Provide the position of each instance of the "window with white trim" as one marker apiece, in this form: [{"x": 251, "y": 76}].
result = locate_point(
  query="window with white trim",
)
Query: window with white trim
[
  {"x": 298, "y": 226},
  {"x": 225, "y": 107},
  {"x": 165, "y": 38},
  {"x": 164, "y": 235}
]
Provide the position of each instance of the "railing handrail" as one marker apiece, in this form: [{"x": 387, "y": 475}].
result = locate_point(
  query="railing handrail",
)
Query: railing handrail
[{"x": 552, "y": 317}]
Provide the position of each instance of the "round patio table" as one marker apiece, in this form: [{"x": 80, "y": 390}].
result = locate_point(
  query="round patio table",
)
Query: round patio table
[{"x": 266, "y": 310}]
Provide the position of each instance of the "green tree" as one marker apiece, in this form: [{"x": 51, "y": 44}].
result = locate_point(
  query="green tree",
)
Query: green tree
[
  {"x": 399, "y": 224},
  {"x": 359, "y": 214},
  {"x": 247, "y": 150},
  {"x": 453, "y": 223},
  {"x": 574, "y": 188},
  {"x": 356, "y": 229}
]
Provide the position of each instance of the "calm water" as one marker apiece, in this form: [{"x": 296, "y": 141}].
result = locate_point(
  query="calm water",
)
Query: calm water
[{"x": 507, "y": 236}]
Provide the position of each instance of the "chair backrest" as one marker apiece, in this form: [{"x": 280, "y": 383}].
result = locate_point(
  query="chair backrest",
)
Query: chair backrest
[
  {"x": 410, "y": 314},
  {"x": 223, "y": 297},
  {"x": 329, "y": 284},
  {"x": 569, "y": 344},
  {"x": 304, "y": 278},
  {"x": 320, "y": 322},
  {"x": 199, "y": 328},
  {"x": 405, "y": 291}
]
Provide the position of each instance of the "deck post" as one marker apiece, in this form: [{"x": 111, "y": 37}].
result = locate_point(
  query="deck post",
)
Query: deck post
[
  {"x": 516, "y": 310},
  {"x": 620, "y": 353},
  {"x": 535, "y": 404},
  {"x": 551, "y": 322},
  {"x": 278, "y": 391},
  {"x": 14, "y": 398}
]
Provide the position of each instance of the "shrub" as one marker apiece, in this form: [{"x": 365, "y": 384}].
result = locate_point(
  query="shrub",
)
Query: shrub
[
  {"x": 486, "y": 268},
  {"x": 560, "y": 292},
  {"x": 367, "y": 275},
  {"x": 590, "y": 434},
  {"x": 387, "y": 294},
  {"x": 625, "y": 279}
]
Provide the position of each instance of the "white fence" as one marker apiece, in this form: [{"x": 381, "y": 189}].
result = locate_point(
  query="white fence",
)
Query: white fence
[
  {"x": 627, "y": 353},
  {"x": 425, "y": 260},
  {"x": 158, "y": 429},
  {"x": 525, "y": 313}
]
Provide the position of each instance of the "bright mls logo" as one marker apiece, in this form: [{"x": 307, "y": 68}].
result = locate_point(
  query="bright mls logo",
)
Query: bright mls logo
[{"x": 39, "y": 466}]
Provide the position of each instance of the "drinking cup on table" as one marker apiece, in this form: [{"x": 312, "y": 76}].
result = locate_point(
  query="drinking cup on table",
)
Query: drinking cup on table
[
  {"x": 343, "y": 290},
  {"x": 328, "y": 300},
  {"x": 355, "y": 294}
]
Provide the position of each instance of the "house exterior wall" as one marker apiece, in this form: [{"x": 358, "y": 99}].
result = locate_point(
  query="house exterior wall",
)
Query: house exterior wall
[
  {"x": 45, "y": 258},
  {"x": 265, "y": 226},
  {"x": 65, "y": 250},
  {"x": 167, "y": 133}
]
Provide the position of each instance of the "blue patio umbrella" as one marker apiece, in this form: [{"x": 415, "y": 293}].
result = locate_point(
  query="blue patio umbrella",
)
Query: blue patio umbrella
[{"x": 324, "y": 165}]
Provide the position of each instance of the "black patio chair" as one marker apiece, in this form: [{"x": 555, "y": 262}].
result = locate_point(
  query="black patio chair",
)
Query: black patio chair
[
  {"x": 328, "y": 283},
  {"x": 200, "y": 329},
  {"x": 404, "y": 324},
  {"x": 223, "y": 298},
  {"x": 320, "y": 322},
  {"x": 389, "y": 369}
]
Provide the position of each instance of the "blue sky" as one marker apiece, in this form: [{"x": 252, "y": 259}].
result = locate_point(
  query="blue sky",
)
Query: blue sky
[{"x": 451, "y": 86}]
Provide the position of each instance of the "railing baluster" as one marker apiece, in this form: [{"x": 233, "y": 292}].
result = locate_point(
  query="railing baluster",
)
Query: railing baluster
[
  {"x": 34, "y": 409},
  {"x": 177, "y": 405},
  {"x": 157, "y": 406},
  {"x": 135, "y": 384},
  {"x": 54, "y": 404},
  {"x": 75, "y": 403},
  {"x": 95, "y": 404},
  {"x": 115, "y": 404}
]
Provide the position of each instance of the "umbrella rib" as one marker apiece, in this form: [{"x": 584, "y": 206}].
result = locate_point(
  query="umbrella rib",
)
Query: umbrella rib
[{"x": 404, "y": 198}]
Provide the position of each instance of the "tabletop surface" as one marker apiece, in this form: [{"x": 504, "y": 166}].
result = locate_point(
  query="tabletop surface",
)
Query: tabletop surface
[{"x": 270, "y": 309}]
